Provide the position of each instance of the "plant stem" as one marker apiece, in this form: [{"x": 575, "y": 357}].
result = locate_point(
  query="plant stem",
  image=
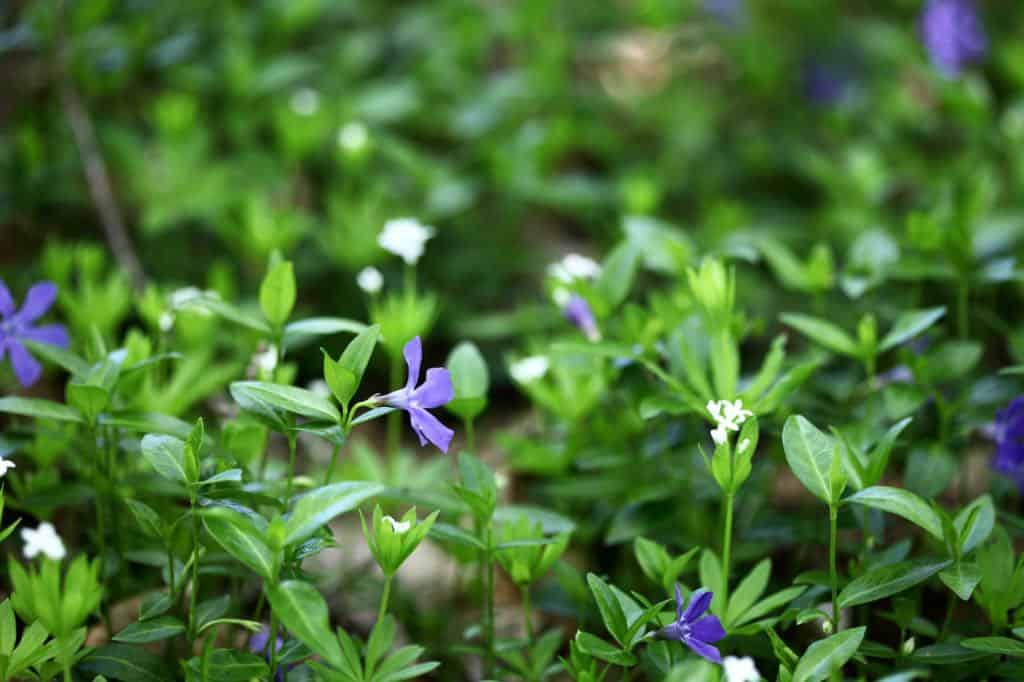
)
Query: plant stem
[
  {"x": 383, "y": 609},
  {"x": 726, "y": 547},
  {"x": 170, "y": 569},
  {"x": 527, "y": 614},
  {"x": 470, "y": 434},
  {"x": 291, "y": 467},
  {"x": 833, "y": 516},
  {"x": 330, "y": 468},
  {"x": 487, "y": 571},
  {"x": 962, "y": 302},
  {"x": 394, "y": 419},
  {"x": 272, "y": 643},
  {"x": 195, "y": 571}
]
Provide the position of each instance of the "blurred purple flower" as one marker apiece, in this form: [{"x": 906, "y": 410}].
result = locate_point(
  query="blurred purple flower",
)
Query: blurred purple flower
[
  {"x": 1008, "y": 432},
  {"x": 953, "y": 34},
  {"x": 578, "y": 311},
  {"x": 728, "y": 13},
  {"x": 693, "y": 628},
  {"x": 825, "y": 82},
  {"x": 258, "y": 645},
  {"x": 17, "y": 326},
  {"x": 435, "y": 391}
]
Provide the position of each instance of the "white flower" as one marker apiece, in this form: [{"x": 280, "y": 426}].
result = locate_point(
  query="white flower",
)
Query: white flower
[
  {"x": 353, "y": 136},
  {"x": 370, "y": 280},
  {"x": 529, "y": 369},
  {"x": 166, "y": 321},
  {"x": 43, "y": 539},
  {"x": 400, "y": 527},
  {"x": 319, "y": 387},
  {"x": 5, "y": 465},
  {"x": 740, "y": 669},
  {"x": 719, "y": 435},
  {"x": 743, "y": 445},
  {"x": 405, "y": 237},
  {"x": 714, "y": 408},
  {"x": 734, "y": 412},
  {"x": 574, "y": 266},
  {"x": 500, "y": 480},
  {"x": 561, "y": 296},
  {"x": 305, "y": 101},
  {"x": 267, "y": 360}
]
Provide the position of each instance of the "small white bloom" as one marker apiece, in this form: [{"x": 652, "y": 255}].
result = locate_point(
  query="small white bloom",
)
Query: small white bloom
[
  {"x": 405, "y": 237},
  {"x": 370, "y": 280},
  {"x": 5, "y": 465},
  {"x": 400, "y": 527},
  {"x": 43, "y": 540},
  {"x": 561, "y": 296},
  {"x": 529, "y": 369},
  {"x": 719, "y": 435},
  {"x": 574, "y": 266},
  {"x": 353, "y": 136},
  {"x": 734, "y": 412},
  {"x": 305, "y": 101},
  {"x": 319, "y": 387},
  {"x": 714, "y": 407},
  {"x": 908, "y": 647},
  {"x": 166, "y": 321},
  {"x": 267, "y": 360},
  {"x": 740, "y": 669},
  {"x": 743, "y": 445},
  {"x": 500, "y": 480}
]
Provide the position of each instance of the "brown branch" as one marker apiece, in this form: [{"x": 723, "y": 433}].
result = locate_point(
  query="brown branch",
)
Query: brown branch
[{"x": 100, "y": 188}]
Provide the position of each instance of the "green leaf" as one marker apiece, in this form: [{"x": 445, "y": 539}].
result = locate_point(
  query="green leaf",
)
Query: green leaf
[
  {"x": 909, "y": 325},
  {"x": 155, "y": 604},
  {"x": 600, "y": 649},
  {"x": 148, "y": 520},
  {"x": 809, "y": 453},
  {"x": 945, "y": 653},
  {"x": 878, "y": 460},
  {"x": 319, "y": 506},
  {"x": 304, "y": 613},
  {"x": 470, "y": 381},
  {"x": 344, "y": 375},
  {"x": 240, "y": 538},
  {"x": 902, "y": 503},
  {"x": 445, "y": 532},
  {"x": 88, "y": 399},
  {"x": 748, "y": 591},
  {"x": 827, "y": 655},
  {"x": 823, "y": 332},
  {"x": 40, "y": 409},
  {"x": 611, "y": 610},
  {"x": 152, "y": 630},
  {"x": 127, "y": 663},
  {"x": 277, "y": 293},
  {"x": 302, "y": 331},
  {"x": 996, "y": 645},
  {"x": 76, "y": 365},
  {"x": 228, "y": 665},
  {"x": 962, "y": 578},
  {"x": 166, "y": 455},
  {"x": 886, "y": 581},
  {"x": 287, "y": 398},
  {"x": 617, "y": 274},
  {"x": 975, "y": 522}
]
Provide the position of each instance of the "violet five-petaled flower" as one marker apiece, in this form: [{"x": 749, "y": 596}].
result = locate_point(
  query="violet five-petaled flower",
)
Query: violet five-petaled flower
[
  {"x": 435, "y": 391},
  {"x": 260, "y": 644},
  {"x": 1009, "y": 437},
  {"x": 578, "y": 311},
  {"x": 953, "y": 34},
  {"x": 693, "y": 628},
  {"x": 18, "y": 326}
]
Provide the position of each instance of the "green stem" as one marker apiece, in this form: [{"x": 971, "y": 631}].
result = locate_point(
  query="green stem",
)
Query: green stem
[
  {"x": 833, "y": 516},
  {"x": 962, "y": 303},
  {"x": 291, "y": 467},
  {"x": 394, "y": 419},
  {"x": 949, "y": 617},
  {"x": 470, "y": 435},
  {"x": 330, "y": 468},
  {"x": 383, "y": 609},
  {"x": 170, "y": 569},
  {"x": 272, "y": 643},
  {"x": 487, "y": 571},
  {"x": 195, "y": 571},
  {"x": 527, "y": 614},
  {"x": 726, "y": 547}
]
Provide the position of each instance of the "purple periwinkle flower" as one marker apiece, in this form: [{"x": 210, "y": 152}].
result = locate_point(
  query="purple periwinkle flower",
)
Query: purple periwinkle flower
[
  {"x": 1009, "y": 437},
  {"x": 258, "y": 644},
  {"x": 693, "y": 628},
  {"x": 17, "y": 326},
  {"x": 435, "y": 391},
  {"x": 953, "y": 34},
  {"x": 578, "y": 311},
  {"x": 824, "y": 82}
]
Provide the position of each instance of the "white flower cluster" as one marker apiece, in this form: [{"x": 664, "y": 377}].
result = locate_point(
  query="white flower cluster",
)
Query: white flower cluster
[
  {"x": 43, "y": 540},
  {"x": 574, "y": 266},
  {"x": 5, "y": 466},
  {"x": 529, "y": 369},
  {"x": 370, "y": 280},
  {"x": 740, "y": 669},
  {"x": 405, "y": 237},
  {"x": 728, "y": 416}
]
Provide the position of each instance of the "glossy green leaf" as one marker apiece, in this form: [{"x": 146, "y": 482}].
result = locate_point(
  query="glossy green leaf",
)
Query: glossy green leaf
[
  {"x": 909, "y": 325},
  {"x": 40, "y": 409},
  {"x": 241, "y": 539},
  {"x": 303, "y": 612},
  {"x": 166, "y": 455},
  {"x": 827, "y": 655},
  {"x": 277, "y": 293},
  {"x": 886, "y": 581},
  {"x": 289, "y": 399},
  {"x": 823, "y": 332},
  {"x": 902, "y": 503},
  {"x": 152, "y": 630},
  {"x": 319, "y": 506},
  {"x": 809, "y": 453}
]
